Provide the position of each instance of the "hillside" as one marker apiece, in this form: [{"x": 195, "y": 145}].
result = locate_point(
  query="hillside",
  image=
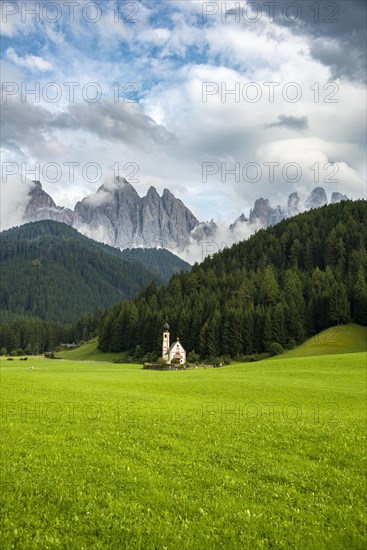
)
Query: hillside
[
  {"x": 88, "y": 352},
  {"x": 283, "y": 285},
  {"x": 157, "y": 260},
  {"x": 350, "y": 338},
  {"x": 50, "y": 271}
]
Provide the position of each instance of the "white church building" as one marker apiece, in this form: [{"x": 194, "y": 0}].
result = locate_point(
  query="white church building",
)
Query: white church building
[{"x": 175, "y": 351}]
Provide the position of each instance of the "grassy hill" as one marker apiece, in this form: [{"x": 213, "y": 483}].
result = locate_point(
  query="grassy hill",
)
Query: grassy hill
[
  {"x": 50, "y": 271},
  {"x": 350, "y": 338},
  {"x": 88, "y": 352}
]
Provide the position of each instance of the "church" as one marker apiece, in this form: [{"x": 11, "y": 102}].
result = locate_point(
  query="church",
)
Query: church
[{"x": 176, "y": 351}]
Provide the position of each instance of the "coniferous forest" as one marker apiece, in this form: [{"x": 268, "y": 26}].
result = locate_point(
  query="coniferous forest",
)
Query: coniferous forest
[
  {"x": 279, "y": 287},
  {"x": 49, "y": 270},
  {"x": 55, "y": 283}
]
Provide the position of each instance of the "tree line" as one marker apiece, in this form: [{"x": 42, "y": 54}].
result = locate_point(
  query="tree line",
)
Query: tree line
[{"x": 29, "y": 335}]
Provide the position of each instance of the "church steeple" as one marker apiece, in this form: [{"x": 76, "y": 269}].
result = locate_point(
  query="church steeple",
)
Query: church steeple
[{"x": 165, "y": 342}]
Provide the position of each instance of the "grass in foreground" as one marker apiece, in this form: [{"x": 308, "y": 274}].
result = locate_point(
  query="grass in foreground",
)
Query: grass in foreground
[{"x": 261, "y": 455}]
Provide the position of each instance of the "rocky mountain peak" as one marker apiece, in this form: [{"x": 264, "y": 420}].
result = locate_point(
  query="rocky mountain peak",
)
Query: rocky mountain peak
[
  {"x": 38, "y": 198},
  {"x": 42, "y": 206},
  {"x": 337, "y": 197},
  {"x": 261, "y": 212},
  {"x": 167, "y": 194},
  {"x": 121, "y": 181},
  {"x": 152, "y": 193},
  {"x": 317, "y": 198},
  {"x": 240, "y": 220},
  {"x": 117, "y": 185},
  {"x": 293, "y": 205},
  {"x": 115, "y": 214},
  {"x": 293, "y": 200}
]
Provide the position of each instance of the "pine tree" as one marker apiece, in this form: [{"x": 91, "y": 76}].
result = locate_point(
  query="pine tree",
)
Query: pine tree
[
  {"x": 278, "y": 324},
  {"x": 248, "y": 329},
  {"x": 269, "y": 289},
  {"x": 267, "y": 336},
  {"x": 339, "y": 311},
  {"x": 295, "y": 306},
  {"x": 360, "y": 298},
  {"x": 235, "y": 333}
]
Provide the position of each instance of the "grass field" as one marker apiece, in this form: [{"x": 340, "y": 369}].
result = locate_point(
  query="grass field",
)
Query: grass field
[
  {"x": 89, "y": 352},
  {"x": 256, "y": 456}
]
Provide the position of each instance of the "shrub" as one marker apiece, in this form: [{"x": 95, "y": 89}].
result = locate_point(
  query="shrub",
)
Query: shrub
[
  {"x": 28, "y": 350},
  {"x": 50, "y": 354},
  {"x": 3, "y": 351},
  {"x": 153, "y": 357},
  {"x": 20, "y": 352},
  {"x": 275, "y": 348},
  {"x": 193, "y": 357},
  {"x": 138, "y": 353}
]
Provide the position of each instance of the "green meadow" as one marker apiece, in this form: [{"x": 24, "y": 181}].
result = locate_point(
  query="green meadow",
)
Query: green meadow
[{"x": 262, "y": 455}]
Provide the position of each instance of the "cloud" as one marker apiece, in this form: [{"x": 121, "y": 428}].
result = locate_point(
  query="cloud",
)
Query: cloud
[
  {"x": 114, "y": 121},
  {"x": 26, "y": 129},
  {"x": 31, "y": 62},
  {"x": 320, "y": 163},
  {"x": 170, "y": 132},
  {"x": 336, "y": 32},
  {"x": 344, "y": 62},
  {"x": 223, "y": 238},
  {"x": 13, "y": 203},
  {"x": 292, "y": 122}
]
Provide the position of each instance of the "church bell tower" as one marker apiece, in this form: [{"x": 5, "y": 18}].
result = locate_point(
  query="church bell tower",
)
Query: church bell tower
[{"x": 165, "y": 343}]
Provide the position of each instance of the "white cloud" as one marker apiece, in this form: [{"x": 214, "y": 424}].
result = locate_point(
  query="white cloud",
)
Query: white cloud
[
  {"x": 31, "y": 62},
  {"x": 13, "y": 200},
  {"x": 171, "y": 132},
  {"x": 314, "y": 157}
]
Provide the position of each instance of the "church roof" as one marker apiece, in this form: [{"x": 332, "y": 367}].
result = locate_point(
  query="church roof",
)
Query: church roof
[
  {"x": 166, "y": 326},
  {"x": 175, "y": 344}
]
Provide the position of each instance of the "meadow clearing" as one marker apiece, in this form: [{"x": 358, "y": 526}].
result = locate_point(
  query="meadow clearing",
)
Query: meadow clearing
[{"x": 252, "y": 456}]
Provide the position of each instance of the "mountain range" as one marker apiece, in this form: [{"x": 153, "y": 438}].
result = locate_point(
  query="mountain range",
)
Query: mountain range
[{"x": 116, "y": 215}]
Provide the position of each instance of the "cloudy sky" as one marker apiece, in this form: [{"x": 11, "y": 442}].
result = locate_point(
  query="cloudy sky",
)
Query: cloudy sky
[{"x": 221, "y": 102}]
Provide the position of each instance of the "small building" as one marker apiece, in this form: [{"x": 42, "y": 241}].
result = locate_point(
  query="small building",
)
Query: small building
[{"x": 174, "y": 352}]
